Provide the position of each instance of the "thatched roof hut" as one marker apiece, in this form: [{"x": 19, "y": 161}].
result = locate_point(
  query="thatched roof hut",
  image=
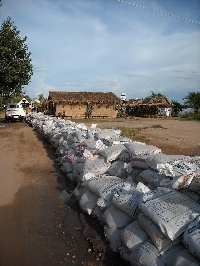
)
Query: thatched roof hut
[
  {"x": 76, "y": 104},
  {"x": 147, "y": 106},
  {"x": 83, "y": 97}
]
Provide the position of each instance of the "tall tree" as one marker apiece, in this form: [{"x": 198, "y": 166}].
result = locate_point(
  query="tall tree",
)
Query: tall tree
[
  {"x": 192, "y": 100},
  {"x": 177, "y": 108},
  {"x": 157, "y": 95},
  {"x": 15, "y": 62}
]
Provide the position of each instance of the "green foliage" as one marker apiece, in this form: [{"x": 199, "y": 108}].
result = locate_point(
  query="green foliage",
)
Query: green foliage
[
  {"x": 15, "y": 63},
  {"x": 192, "y": 100},
  {"x": 18, "y": 97},
  {"x": 191, "y": 116},
  {"x": 41, "y": 97},
  {"x": 157, "y": 95},
  {"x": 158, "y": 126},
  {"x": 177, "y": 108}
]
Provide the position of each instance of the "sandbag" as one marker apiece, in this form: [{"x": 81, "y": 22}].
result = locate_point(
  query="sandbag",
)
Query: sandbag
[
  {"x": 113, "y": 236},
  {"x": 191, "y": 194},
  {"x": 191, "y": 238},
  {"x": 114, "y": 218},
  {"x": 139, "y": 162},
  {"x": 172, "y": 165},
  {"x": 119, "y": 168},
  {"x": 182, "y": 258},
  {"x": 88, "y": 201},
  {"x": 146, "y": 254},
  {"x": 170, "y": 210},
  {"x": 195, "y": 184},
  {"x": 106, "y": 186},
  {"x": 112, "y": 153},
  {"x": 95, "y": 165},
  {"x": 128, "y": 203},
  {"x": 152, "y": 177},
  {"x": 132, "y": 235},
  {"x": 161, "y": 242},
  {"x": 136, "y": 149}
]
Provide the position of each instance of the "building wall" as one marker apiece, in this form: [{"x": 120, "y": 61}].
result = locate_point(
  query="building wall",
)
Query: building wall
[{"x": 79, "y": 111}]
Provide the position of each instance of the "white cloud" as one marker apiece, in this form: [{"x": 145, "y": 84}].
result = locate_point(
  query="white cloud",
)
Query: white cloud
[{"x": 109, "y": 46}]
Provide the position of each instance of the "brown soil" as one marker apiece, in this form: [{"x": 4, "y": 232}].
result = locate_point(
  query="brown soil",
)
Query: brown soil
[
  {"x": 172, "y": 136},
  {"x": 37, "y": 227}
]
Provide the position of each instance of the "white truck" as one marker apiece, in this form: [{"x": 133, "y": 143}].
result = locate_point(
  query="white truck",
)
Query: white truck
[{"x": 14, "y": 112}]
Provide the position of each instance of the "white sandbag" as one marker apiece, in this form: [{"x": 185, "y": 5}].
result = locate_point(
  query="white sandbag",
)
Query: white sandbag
[
  {"x": 113, "y": 236},
  {"x": 88, "y": 201},
  {"x": 72, "y": 177},
  {"x": 115, "y": 141},
  {"x": 163, "y": 161},
  {"x": 106, "y": 186},
  {"x": 124, "y": 156},
  {"x": 191, "y": 194},
  {"x": 66, "y": 167},
  {"x": 191, "y": 238},
  {"x": 162, "y": 242},
  {"x": 174, "y": 165},
  {"x": 152, "y": 177},
  {"x": 95, "y": 164},
  {"x": 169, "y": 255},
  {"x": 186, "y": 167},
  {"x": 132, "y": 235},
  {"x": 106, "y": 134},
  {"x": 97, "y": 213},
  {"x": 128, "y": 203},
  {"x": 182, "y": 181},
  {"x": 77, "y": 136},
  {"x": 170, "y": 210},
  {"x": 136, "y": 149},
  {"x": 139, "y": 162},
  {"x": 79, "y": 190},
  {"x": 103, "y": 204},
  {"x": 119, "y": 168},
  {"x": 146, "y": 254},
  {"x": 114, "y": 218},
  {"x": 182, "y": 258},
  {"x": 142, "y": 188},
  {"x": 112, "y": 153},
  {"x": 135, "y": 174},
  {"x": 89, "y": 176},
  {"x": 195, "y": 184},
  {"x": 124, "y": 253}
]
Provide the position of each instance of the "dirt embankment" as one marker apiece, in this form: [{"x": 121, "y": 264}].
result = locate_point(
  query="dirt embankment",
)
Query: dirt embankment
[{"x": 37, "y": 227}]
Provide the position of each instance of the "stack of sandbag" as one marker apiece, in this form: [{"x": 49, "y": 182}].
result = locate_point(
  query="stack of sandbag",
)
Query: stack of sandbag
[{"x": 146, "y": 201}]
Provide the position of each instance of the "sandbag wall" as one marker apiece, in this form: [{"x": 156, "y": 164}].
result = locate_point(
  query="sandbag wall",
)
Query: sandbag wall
[{"x": 147, "y": 202}]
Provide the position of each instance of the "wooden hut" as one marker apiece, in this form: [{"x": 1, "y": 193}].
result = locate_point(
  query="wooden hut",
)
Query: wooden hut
[
  {"x": 83, "y": 104},
  {"x": 150, "y": 106}
]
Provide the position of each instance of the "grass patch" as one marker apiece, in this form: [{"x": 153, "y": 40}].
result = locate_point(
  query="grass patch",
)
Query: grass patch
[
  {"x": 131, "y": 133},
  {"x": 158, "y": 126}
]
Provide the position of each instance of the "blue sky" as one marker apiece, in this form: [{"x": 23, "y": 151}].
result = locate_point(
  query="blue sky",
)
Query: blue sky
[{"x": 106, "y": 45}]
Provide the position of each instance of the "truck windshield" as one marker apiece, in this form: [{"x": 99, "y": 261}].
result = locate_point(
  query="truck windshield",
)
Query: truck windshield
[{"x": 14, "y": 106}]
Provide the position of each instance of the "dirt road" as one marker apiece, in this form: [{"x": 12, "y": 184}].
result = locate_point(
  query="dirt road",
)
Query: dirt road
[{"x": 37, "y": 227}]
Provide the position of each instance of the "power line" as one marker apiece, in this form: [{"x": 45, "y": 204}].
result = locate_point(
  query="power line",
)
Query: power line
[{"x": 158, "y": 11}]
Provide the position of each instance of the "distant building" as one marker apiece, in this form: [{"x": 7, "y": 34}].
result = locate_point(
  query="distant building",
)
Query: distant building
[
  {"x": 123, "y": 96},
  {"x": 157, "y": 106},
  {"x": 24, "y": 103},
  {"x": 81, "y": 104}
]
